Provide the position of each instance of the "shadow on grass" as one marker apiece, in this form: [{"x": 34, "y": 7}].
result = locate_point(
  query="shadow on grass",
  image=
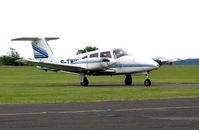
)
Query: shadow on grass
[
  {"x": 134, "y": 85},
  {"x": 105, "y": 85}
]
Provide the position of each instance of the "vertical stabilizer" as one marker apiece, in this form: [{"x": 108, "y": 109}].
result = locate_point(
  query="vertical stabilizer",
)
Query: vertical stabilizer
[{"x": 41, "y": 49}]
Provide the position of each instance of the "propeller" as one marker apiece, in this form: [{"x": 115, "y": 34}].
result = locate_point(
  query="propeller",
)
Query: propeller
[{"x": 162, "y": 61}]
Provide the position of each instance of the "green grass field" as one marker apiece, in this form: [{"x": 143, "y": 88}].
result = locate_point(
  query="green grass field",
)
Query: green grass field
[{"x": 29, "y": 85}]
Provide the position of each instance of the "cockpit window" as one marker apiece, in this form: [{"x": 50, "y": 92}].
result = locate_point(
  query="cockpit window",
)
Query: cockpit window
[
  {"x": 119, "y": 53},
  {"x": 94, "y": 55},
  {"x": 105, "y": 54}
]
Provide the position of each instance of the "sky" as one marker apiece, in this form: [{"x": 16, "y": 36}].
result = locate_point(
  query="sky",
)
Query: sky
[{"x": 150, "y": 28}]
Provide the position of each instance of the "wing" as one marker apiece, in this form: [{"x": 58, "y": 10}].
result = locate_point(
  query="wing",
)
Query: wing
[{"x": 59, "y": 67}]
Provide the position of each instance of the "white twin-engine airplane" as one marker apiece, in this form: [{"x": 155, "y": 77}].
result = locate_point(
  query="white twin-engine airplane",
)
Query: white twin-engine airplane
[{"x": 100, "y": 62}]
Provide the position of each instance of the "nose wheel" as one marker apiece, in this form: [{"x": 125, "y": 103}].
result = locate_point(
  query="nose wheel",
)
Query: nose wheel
[{"x": 147, "y": 82}]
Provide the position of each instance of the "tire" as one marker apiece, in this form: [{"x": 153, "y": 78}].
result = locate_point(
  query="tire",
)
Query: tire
[
  {"x": 85, "y": 82},
  {"x": 128, "y": 80},
  {"x": 147, "y": 82}
]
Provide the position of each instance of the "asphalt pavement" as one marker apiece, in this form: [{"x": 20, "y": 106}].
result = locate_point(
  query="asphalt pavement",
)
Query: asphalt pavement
[{"x": 164, "y": 114}]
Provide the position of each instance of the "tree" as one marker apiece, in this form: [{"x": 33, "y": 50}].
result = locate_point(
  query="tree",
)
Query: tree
[
  {"x": 10, "y": 59},
  {"x": 14, "y": 53},
  {"x": 86, "y": 49}
]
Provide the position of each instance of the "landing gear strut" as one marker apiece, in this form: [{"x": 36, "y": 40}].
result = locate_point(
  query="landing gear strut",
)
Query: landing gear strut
[
  {"x": 128, "y": 80},
  {"x": 147, "y": 82},
  {"x": 83, "y": 80}
]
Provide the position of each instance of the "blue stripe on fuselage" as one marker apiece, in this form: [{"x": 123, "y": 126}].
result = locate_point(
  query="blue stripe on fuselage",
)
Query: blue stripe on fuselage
[
  {"x": 116, "y": 65},
  {"x": 87, "y": 61},
  {"x": 131, "y": 65}
]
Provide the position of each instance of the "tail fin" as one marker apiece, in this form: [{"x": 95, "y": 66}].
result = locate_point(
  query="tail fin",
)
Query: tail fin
[{"x": 40, "y": 46}]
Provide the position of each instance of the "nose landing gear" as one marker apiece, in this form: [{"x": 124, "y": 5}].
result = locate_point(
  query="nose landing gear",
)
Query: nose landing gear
[{"x": 147, "y": 82}]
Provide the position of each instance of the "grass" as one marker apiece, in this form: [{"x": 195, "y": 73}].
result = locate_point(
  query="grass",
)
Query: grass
[{"x": 29, "y": 85}]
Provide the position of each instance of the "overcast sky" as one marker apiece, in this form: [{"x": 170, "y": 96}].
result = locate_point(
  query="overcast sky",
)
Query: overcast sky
[{"x": 152, "y": 28}]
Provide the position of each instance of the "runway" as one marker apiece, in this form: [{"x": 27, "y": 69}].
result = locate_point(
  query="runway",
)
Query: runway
[{"x": 165, "y": 114}]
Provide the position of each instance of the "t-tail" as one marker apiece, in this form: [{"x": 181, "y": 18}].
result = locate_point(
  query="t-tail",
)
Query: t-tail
[{"x": 41, "y": 49}]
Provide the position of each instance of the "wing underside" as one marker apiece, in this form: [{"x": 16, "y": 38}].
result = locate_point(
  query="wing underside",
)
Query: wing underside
[{"x": 59, "y": 67}]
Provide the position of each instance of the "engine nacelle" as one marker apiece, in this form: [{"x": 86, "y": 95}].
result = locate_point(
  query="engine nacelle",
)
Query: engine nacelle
[{"x": 100, "y": 64}]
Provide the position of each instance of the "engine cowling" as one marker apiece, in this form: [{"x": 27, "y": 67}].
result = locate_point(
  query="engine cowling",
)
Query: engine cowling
[
  {"x": 100, "y": 64},
  {"x": 107, "y": 62}
]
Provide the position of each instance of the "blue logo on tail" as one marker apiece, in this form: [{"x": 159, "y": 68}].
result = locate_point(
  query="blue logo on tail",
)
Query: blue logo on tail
[{"x": 41, "y": 52}]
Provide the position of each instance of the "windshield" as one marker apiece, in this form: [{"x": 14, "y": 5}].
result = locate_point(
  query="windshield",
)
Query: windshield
[{"x": 119, "y": 53}]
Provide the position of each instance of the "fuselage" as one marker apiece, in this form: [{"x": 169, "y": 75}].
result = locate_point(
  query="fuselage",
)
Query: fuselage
[{"x": 113, "y": 61}]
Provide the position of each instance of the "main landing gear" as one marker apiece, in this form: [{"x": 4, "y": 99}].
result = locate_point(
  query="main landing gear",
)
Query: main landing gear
[
  {"x": 83, "y": 80},
  {"x": 128, "y": 80}
]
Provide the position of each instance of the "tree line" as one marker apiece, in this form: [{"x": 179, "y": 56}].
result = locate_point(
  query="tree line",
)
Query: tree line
[{"x": 10, "y": 58}]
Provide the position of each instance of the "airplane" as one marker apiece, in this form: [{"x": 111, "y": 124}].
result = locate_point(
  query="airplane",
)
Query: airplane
[{"x": 100, "y": 62}]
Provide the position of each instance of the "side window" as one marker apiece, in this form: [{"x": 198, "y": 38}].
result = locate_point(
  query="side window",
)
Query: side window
[
  {"x": 95, "y": 55},
  {"x": 84, "y": 57},
  {"x": 105, "y": 54}
]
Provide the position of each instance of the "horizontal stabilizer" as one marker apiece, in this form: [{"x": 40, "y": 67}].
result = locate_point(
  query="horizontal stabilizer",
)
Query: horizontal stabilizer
[{"x": 34, "y": 38}]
